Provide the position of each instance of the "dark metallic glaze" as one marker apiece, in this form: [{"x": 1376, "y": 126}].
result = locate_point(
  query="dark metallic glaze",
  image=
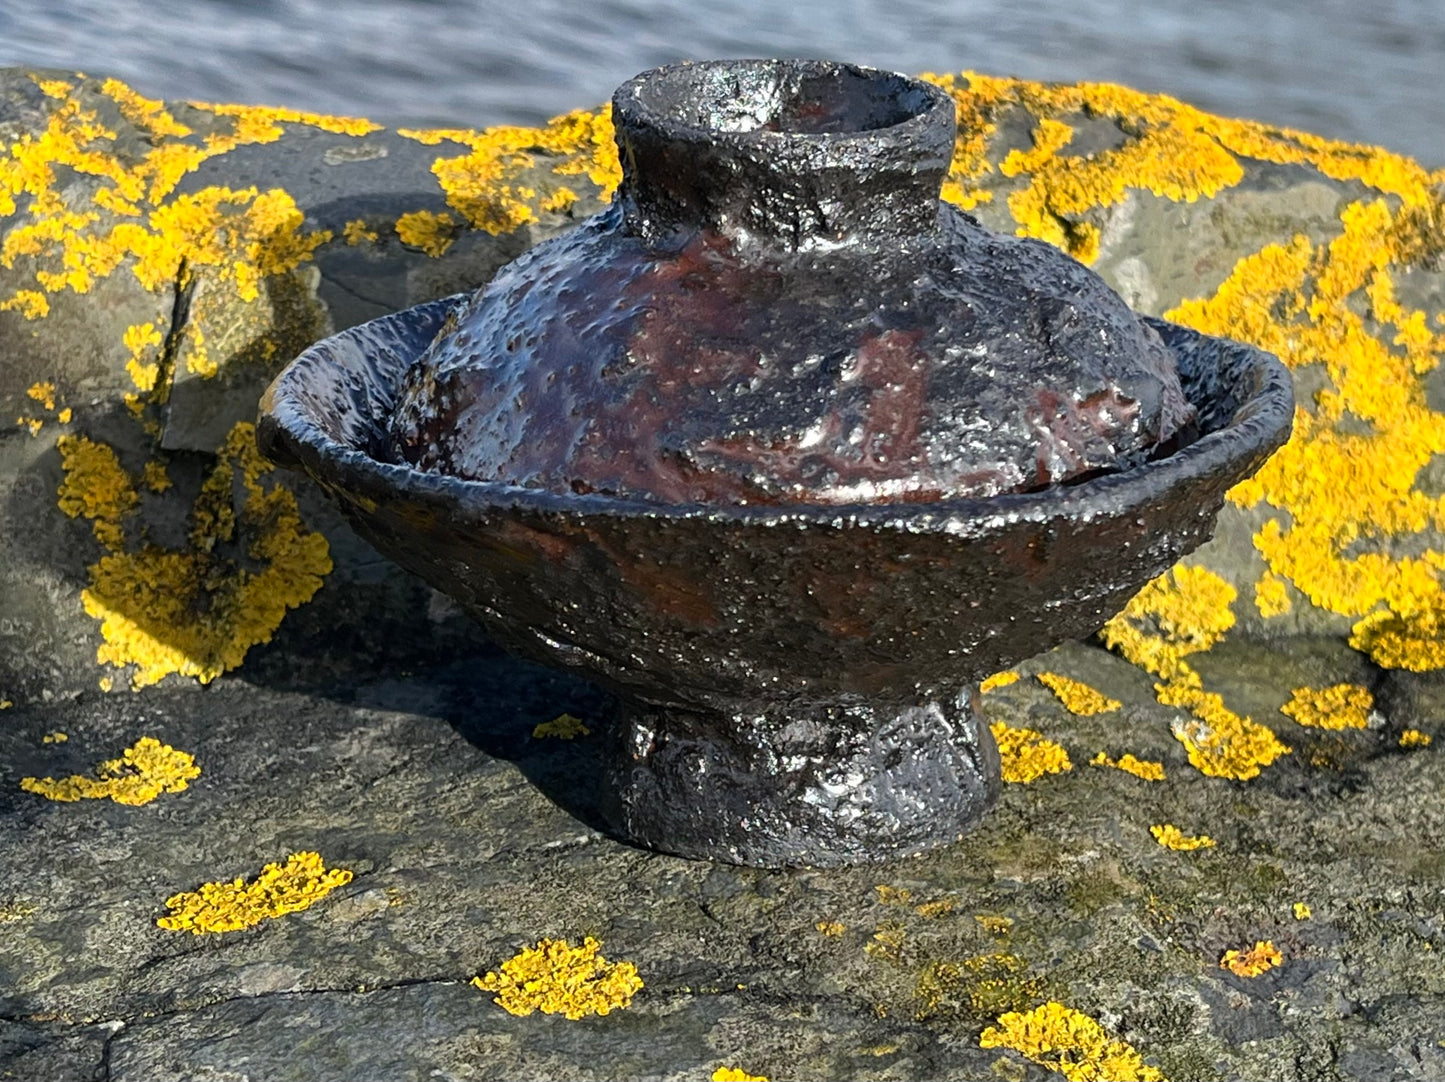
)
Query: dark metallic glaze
[
  {"x": 779, "y": 309},
  {"x": 792, "y": 676}
]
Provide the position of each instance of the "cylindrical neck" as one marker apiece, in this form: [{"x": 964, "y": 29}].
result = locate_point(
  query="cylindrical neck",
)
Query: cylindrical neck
[{"x": 792, "y": 153}]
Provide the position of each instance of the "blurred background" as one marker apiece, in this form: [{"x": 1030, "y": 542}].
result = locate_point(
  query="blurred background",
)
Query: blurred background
[{"x": 1367, "y": 72}]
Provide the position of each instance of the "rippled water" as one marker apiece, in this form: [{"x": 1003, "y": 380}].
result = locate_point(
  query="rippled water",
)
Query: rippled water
[{"x": 1366, "y": 71}]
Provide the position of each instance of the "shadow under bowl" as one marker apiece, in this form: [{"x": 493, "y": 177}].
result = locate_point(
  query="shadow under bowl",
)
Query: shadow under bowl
[{"x": 795, "y": 685}]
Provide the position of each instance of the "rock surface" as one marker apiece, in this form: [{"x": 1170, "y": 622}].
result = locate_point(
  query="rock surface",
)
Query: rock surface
[
  {"x": 159, "y": 262},
  {"x": 469, "y": 839}
]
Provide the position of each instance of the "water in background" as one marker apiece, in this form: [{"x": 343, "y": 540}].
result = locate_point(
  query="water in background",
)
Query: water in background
[{"x": 1368, "y": 72}]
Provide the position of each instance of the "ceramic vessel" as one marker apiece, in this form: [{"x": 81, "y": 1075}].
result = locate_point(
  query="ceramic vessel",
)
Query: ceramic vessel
[{"x": 788, "y": 455}]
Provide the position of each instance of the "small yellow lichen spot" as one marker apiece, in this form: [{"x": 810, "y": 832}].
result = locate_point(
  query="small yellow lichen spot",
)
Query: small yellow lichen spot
[
  {"x": 1219, "y": 742},
  {"x": 1078, "y": 697},
  {"x": 1026, "y": 756},
  {"x": 143, "y": 772},
  {"x": 65, "y": 415},
  {"x": 95, "y": 487},
  {"x": 736, "y": 1074},
  {"x": 28, "y": 302},
  {"x": 154, "y": 476},
  {"x": 1342, "y": 706},
  {"x": 560, "y": 201},
  {"x": 44, "y": 393},
  {"x": 356, "y": 233},
  {"x": 54, "y": 738},
  {"x": 106, "y": 684},
  {"x": 999, "y": 680},
  {"x": 934, "y": 910},
  {"x": 1414, "y": 738},
  {"x": 1302, "y": 911},
  {"x": 1140, "y": 768},
  {"x": 830, "y": 929},
  {"x": 52, "y": 88},
  {"x": 1270, "y": 596},
  {"x": 1070, "y": 1042},
  {"x": 994, "y": 925},
  {"x": 280, "y": 889},
  {"x": 5, "y": 704},
  {"x": 1260, "y": 958},
  {"x": 562, "y": 727},
  {"x": 32, "y": 424},
  {"x": 555, "y": 977},
  {"x": 1171, "y": 837},
  {"x": 893, "y": 895},
  {"x": 432, "y": 233}
]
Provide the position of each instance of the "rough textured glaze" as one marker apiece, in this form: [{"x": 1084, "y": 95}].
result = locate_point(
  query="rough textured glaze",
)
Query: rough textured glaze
[
  {"x": 792, "y": 652},
  {"x": 782, "y": 634},
  {"x": 778, "y": 309}
]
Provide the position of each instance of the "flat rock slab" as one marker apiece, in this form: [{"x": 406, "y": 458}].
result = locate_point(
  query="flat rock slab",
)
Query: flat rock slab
[{"x": 469, "y": 839}]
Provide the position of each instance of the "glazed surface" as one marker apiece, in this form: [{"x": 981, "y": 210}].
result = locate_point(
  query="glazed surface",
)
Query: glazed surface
[{"x": 705, "y": 369}]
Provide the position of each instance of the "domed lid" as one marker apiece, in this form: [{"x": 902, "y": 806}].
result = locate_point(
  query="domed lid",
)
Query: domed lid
[{"x": 778, "y": 309}]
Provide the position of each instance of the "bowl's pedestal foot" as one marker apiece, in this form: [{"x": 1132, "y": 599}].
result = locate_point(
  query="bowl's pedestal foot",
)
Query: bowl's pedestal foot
[{"x": 800, "y": 782}]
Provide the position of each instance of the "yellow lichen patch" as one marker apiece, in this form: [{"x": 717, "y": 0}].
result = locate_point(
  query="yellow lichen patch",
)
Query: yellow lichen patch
[
  {"x": 356, "y": 233},
  {"x": 999, "y": 680},
  {"x": 1163, "y": 146},
  {"x": 15, "y": 912},
  {"x": 1026, "y": 755},
  {"x": 144, "y": 771},
  {"x": 736, "y": 1074},
  {"x": 53, "y": 738},
  {"x": 154, "y": 476},
  {"x": 1415, "y": 641},
  {"x": 31, "y": 424},
  {"x": 280, "y": 889},
  {"x": 96, "y": 487},
  {"x": 893, "y": 895},
  {"x": 432, "y": 233},
  {"x": 562, "y": 727},
  {"x": 161, "y": 235},
  {"x": 1348, "y": 528},
  {"x": 44, "y": 393},
  {"x": 1078, "y": 697},
  {"x": 1219, "y": 742},
  {"x": 986, "y": 984},
  {"x": 1140, "y": 768},
  {"x": 1270, "y": 596},
  {"x": 830, "y": 929},
  {"x": 483, "y": 184},
  {"x": 560, "y": 201},
  {"x": 1070, "y": 1042},
  {"x": 1302, "y": 911},
  {"x": 1182, "y": 612},
  {"x": 197, "y": 610},
  {"x": 1258, "y": 959},
  {"x": 1342, "y": 706},
  {"x": 144, "y": 112},
  {"x": 262, "y": 124},
  {"x": 1171, "y": 837},
  {"x": 1414, "y": 738},
  {"x": 934, "y": 910},
  {"x": 994, "y": 925},
  {"x": 555, "y": 977}
]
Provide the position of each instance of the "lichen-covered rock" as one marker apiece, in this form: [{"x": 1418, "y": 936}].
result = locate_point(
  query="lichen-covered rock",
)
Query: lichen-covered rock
[
  {"x": 159, "y": 261},
  {"x": 1065, "y": 930},
  {"x": 158, "y": 264}
]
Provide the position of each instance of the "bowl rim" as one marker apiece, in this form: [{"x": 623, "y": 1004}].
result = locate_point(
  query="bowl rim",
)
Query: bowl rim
[{"x": 291, "y": 437}]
